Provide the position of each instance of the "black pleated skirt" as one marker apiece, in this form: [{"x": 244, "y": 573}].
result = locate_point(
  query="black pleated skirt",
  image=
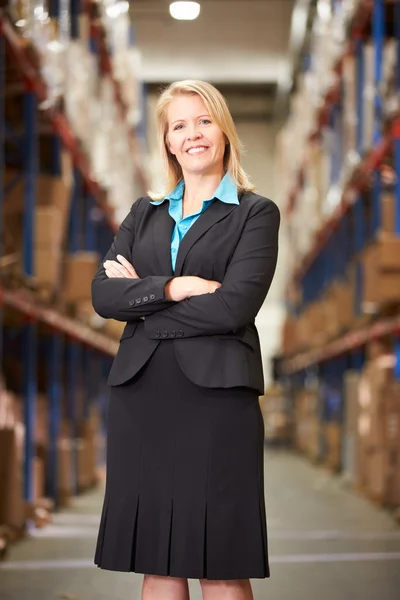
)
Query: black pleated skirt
[{"x": 185, "y": 482}]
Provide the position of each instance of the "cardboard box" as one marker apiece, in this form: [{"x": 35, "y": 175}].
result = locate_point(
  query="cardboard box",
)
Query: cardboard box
[
  {"x": 80, "y": 268},
  {"x": 351, "y": 403},
  {"x": 12, "y": 505},
  {"x": 50, "y": 191},
  {"x": 333, "y": 438},
  {"x": 89, "y": 431},
  {"x": 48, "y": 228},
  {"x": 368, "y": 96},
  {"x": 47, "y": 266},
  {"x": 114, "y": 328},
  {"x": 375, "y": 378},
  {"x": 387, "y": 213},
  {"x": 391, "y": 396},
  {"x": 38, "y": 479},
  {"x": 42, "y": 421},
  {"x": 350, "y": 463},
  {"x": 378, "y": 474},
  {"x": 381, "y": 273},
  {"x": 344, "y": 300},
  {"x": 65, "y": 471},
  {"x": 314, "y": 441},
  {"x": 393, "y": 486}
]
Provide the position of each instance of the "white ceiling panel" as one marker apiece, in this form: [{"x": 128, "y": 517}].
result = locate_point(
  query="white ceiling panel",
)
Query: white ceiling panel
[{"x": 235, "y": 41}]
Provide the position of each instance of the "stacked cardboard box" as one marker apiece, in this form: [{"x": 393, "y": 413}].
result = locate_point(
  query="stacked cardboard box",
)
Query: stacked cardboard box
[
  {"x": 114, "y": 328},
  {"x": 307, "y": 427},
  {"x": 381, "y": 273},
  {"x": 80, "y": 268},
  {"x": 333, "y": 445},
  {"x": 379, "y": 431},
  {"x": 350, "y": 440},
  {"x": 274, "y": 408}
]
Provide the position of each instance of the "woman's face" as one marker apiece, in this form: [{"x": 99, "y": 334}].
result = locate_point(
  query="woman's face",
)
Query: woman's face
[{"x": 196, "y": 141}]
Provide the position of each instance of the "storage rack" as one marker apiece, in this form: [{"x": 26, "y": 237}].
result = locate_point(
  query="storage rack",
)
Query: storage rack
[
  {"x": 87, "y": 351},
  {"x": 336, "y": 242}
]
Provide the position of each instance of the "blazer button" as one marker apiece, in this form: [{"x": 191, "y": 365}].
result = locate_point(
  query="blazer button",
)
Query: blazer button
[
  {"x": 131, "y": 302},
  {"x": 165, "y": 333},
  {"x": 152, "y": 296},
  {"x": 138, "y": 300},
  {"x": 180, "y": 333},
  {"x": 158, "y": 334},
  {"x": 173, "y": 333},
  {"x": 145, "y": 299}
]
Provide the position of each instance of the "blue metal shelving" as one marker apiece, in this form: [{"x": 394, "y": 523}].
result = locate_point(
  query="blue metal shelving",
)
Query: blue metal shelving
[
  {"x": 92, "y": 227},
  {"x": 356, "y": 221}
]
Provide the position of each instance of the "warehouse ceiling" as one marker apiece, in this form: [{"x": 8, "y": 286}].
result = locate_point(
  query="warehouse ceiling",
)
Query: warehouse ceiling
[{"x": 236, "y": 42}]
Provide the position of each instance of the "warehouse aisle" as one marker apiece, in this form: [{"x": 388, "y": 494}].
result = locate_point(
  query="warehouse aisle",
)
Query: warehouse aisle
[{"x": 324, "y": 542}]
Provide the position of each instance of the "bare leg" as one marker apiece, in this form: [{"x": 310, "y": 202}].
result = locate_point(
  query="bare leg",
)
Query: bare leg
[
  {"x": 235, "y": 589},
  {"x": 156, "y": 587}
]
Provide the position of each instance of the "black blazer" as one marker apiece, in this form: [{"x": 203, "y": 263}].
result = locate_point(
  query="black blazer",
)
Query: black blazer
[{"x": 214, "y": 335}]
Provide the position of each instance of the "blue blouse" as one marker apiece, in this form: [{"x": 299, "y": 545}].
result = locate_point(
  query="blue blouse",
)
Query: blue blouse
[{"x": 225, "y": 192}]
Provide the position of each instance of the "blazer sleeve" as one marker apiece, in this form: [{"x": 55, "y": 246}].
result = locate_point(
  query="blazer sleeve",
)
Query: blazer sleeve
[
  {"x": 243, "y": 290},
  {"x": 127, "y": 299}
]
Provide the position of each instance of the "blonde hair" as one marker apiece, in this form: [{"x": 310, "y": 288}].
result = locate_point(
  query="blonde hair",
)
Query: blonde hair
[{"x": 219, "y": 112}]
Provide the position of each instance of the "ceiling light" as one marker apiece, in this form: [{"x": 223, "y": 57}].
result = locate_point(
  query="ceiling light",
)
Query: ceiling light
[{"x": 184, "y": 11}]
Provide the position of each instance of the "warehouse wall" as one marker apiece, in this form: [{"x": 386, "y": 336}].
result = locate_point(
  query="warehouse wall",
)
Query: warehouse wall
[{"x": 258, "y": 139}]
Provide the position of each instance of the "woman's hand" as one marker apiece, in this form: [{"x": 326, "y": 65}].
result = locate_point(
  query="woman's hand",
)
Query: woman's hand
[
  {"x": 123, "y": 268},
  {"x": 180, "y": 288}
]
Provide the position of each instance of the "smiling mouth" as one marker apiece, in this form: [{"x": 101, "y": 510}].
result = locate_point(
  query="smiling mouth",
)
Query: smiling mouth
[{"x": 196, "y": 151}]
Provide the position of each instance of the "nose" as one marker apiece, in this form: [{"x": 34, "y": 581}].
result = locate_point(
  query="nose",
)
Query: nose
[{"x": 193, "y": 133}]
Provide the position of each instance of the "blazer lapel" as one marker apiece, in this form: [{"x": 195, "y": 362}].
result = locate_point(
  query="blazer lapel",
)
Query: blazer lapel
[
  {"x": 162, "y": 231},
  {"x": 214, "y": 213}
]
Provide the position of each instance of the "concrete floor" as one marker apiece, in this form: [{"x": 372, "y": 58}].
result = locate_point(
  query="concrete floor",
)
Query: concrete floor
[{"x": 325, "y": 543}]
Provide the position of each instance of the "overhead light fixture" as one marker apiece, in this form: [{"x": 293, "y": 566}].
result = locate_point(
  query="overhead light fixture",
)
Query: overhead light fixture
[{"x": 184, "y": 11}]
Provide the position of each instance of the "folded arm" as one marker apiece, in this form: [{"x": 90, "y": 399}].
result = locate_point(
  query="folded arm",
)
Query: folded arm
[
  {"x": 126, "y": 299},
  {"x": 243, "y": 290}
]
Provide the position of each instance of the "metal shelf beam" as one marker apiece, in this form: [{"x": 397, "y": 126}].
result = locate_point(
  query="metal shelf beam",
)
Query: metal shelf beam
[
  {"x": 26, "y": 303},
  {"x": 357, "y": 183},
  {"x": 347, "y": 343}
]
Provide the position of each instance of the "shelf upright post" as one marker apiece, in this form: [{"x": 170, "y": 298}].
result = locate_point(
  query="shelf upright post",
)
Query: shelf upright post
[
  {"x": 376, "y": 193},
  {"x": 90, "y": 223},
  {"x": 74, "y": 223},
  {"x": 396, "y": 132},
  {"x": 378, "y": 32},
  {"x": 360, "y": 76},
  {"x": 30, "y": 329},
  {"x": 72, "y": 380},
  {"x": 87, "y": 380},
  {"x": 359, "y": 226},
  {"x": 55, "y": 350},
  {"x": 2, "y": 162},
  {"x": 75, "y": 8},
  {"x": 397, "y": 35}
]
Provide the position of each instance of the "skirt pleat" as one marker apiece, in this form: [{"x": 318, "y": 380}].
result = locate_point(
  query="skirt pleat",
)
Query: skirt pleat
[{"x": 185, "y": 482}]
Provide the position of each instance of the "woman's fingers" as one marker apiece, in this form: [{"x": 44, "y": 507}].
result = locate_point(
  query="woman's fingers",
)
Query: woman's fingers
[
  {"x": 130, "y": 268},
  {"x": 115, "y": 269}
]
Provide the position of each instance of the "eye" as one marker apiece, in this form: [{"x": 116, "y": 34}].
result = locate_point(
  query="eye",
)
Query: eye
[
  {"x": 177, "y": 127},
  {"x": 205, "y": 121}
]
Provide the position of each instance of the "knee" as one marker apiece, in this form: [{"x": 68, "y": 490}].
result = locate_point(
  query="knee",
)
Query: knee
[
  {"x": 156, "y": 581},
  {"x": 224, "y": 584}
]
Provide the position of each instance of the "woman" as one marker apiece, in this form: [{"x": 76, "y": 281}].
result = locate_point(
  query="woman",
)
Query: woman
[{"x": 189, "y": 270}]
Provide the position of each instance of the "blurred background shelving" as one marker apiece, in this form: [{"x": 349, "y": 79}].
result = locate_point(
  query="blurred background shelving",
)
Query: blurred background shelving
[
  {"x": 340, "y": 148},
  {"x": 314, "y": 89},
  {"x": 72, "y": 162}
]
